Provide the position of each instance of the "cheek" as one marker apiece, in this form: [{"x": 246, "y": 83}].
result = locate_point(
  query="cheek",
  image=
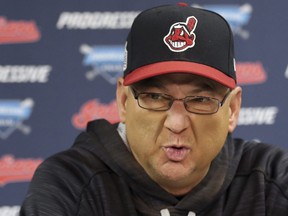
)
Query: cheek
[
  {"x": 142, "y": 129},
  {"x": 219, "y": 123},
  {"x": 210, "y": 134},
  {"x": 139, "y": 129}
]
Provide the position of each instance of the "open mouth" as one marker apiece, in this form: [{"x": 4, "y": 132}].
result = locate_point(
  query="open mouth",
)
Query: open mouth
[
  {"x": 176, "y": 153},
  {"x": 177, "y": 44}
]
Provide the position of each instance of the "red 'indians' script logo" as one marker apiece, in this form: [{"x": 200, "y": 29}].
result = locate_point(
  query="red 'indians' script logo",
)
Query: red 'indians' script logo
[
  {"x": 17, "y": 170},
  {"x": 181, "y": 35},
  {"x": 18, "y": 31},
  {"x": 93, "y": 109}
]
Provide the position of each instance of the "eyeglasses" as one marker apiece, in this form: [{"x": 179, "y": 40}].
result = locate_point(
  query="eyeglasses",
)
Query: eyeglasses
[{"x": 193, "y": 104}]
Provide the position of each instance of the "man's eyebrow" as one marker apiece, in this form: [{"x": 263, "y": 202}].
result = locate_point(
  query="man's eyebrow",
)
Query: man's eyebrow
[
  {"x": 149, "y": 83},
  {"x": 205, "y": 86}
]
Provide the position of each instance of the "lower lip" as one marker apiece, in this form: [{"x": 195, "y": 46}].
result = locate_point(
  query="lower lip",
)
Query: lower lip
[{"x": 176, "y": 154}]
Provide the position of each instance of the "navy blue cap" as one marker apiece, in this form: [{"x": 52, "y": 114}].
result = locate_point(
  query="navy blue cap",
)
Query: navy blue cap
[{"x": 179, "y": 38}]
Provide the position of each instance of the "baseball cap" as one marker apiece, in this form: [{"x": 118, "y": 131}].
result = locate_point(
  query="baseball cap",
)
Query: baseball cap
[{"x": 179, "y": 38}]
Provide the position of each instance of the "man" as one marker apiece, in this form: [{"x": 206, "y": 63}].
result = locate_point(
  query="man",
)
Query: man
[{"x": 172, "y": 153}]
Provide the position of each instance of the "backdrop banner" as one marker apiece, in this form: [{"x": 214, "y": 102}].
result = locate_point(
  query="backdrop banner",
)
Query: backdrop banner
[{"x": 60, "y": 60}]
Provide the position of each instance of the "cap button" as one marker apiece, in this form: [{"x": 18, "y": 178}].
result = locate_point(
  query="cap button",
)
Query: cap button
[{"x": 183, "y": 4}]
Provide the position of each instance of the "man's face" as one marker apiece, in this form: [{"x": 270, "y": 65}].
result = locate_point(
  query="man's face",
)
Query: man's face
[{"x": 175, "y": 147}]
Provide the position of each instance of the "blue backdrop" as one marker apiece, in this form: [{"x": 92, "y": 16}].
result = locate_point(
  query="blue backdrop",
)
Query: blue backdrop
[{"x": 59, "y": 62}]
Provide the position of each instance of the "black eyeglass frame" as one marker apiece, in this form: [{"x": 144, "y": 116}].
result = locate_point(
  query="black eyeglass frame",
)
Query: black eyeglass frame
[{"x": 172, "y": 99}]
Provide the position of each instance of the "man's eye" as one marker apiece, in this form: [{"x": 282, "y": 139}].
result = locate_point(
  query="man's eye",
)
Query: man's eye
[
  {"x": 155, "y": 96},
  {"x": 200, "y": 100}
]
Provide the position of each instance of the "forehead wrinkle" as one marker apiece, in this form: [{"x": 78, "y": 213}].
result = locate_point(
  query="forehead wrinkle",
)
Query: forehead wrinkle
[{"x": 199, "y": 83}]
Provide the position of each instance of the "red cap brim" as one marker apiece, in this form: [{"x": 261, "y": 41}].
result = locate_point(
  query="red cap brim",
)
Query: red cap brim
[{"x": 161, "y": 68}]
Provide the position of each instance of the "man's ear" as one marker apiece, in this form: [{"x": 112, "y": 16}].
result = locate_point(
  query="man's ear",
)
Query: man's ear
[
  {"x": 121, "y": 97},
  {"x": 235, "y": 106}
]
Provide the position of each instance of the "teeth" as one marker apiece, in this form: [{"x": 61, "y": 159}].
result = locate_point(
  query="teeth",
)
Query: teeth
[{"x": 177, "y": 44}]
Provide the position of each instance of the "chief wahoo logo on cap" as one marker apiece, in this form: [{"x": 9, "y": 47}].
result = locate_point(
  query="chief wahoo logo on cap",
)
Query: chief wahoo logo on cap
[{"x": 181, "y": 35}]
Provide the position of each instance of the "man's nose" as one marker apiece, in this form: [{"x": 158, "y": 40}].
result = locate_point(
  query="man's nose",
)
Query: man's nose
[{"x": 177, "y": 119}]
